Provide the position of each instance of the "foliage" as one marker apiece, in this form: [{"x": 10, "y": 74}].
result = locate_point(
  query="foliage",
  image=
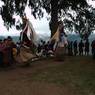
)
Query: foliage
[
  {"x": 56, "y": 8},
  {"x": 82, "y": 21}
]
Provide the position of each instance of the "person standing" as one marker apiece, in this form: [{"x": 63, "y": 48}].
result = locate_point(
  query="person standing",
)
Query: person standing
[
  {"x": 71, "y": 48},
  {"x": 1, "y": 53},
  {"x": 11, "y": 50},
  {"x": 61, "y": 44},
  {"x": 86, "y": 47},
  {"x": 93, "y": 48},
  {"x": 81, "y": 46},
  {"x": 5, "y": 53},
  {"x": 75, "y": 47}
]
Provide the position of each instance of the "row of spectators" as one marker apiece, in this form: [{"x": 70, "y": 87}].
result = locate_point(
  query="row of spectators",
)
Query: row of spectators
[
  {"x": 81, "y": 48},
  {"x": 73, "y": 48}
]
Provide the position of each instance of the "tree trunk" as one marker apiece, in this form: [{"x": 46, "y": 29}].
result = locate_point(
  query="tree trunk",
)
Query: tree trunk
[{"x": 54, "y": 17}]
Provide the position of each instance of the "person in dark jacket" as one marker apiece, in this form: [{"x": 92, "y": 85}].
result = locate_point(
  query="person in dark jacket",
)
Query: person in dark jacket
[
  {"x": 81, "y": 46},
  {"x": 93, "y": 48},
  {"x": 86, "y": 47},
  {"x": 75, "y": 47},
  {"x": 70, "y": 48},
  {"x": 1, "y": 53}
]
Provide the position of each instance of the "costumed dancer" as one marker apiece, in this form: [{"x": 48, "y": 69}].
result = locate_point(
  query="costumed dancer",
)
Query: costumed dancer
[
  {"x": 62, "y": 43},
  {"x": 26, "y": 53}
]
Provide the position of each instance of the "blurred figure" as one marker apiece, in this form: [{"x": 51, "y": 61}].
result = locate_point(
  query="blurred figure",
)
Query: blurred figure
[
  {"x": 86, "y": 47},
  {"x": 70, "y": 48},
  {"x": 8, "y": 51},
  {"x": 93, "y": 48},
  {"x": 18, "y": 45},
  {"x": 75, "y": 47},
  {"x": 5, "y": 53},
  {"x": 62, "y": 41},
  {"x": 39, "y": 50},
  {"x": 81, "y": 46},
  {"x": 52, "y": 45},
  {"x": 12, "y": 49},
  {"x": 1, "y": 53}
]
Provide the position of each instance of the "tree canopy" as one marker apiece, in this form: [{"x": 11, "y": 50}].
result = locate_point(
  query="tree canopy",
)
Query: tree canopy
[{"x": 57, "y": 9}]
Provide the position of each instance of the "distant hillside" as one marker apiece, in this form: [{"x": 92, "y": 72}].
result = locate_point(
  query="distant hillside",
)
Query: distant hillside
[
  {"x": 73, "y": 37},
  {"x": 70, "y": 37},
  {"x": 15, "y": 38},
  {"x": 92, "y": 37}
]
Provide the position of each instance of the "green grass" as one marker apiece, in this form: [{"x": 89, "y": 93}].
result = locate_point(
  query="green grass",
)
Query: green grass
[{"x": 76, "y": 73}]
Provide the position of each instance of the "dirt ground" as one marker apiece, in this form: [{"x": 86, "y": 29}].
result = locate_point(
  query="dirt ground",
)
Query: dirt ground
[{"x": 16, "y": 81}]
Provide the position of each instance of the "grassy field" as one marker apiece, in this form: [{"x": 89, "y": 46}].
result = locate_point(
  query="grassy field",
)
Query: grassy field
[{"x": 74, "y": 76}]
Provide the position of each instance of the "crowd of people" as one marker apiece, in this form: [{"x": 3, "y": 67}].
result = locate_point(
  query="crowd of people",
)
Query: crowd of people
[
  {"x": 73, "y": 48},
  {"x": 8, "y": 49},
  {"x": 45, "y": 49},
  {"x": 81, "y": 48}
]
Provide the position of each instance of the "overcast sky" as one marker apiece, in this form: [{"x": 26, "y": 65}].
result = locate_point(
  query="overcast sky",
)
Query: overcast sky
[{"x": 40, "y": 26}]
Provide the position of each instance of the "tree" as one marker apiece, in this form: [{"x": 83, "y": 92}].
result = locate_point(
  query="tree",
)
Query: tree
[
  {"x": 56, "y": 8},
  {"x": 83, "y": 23}
]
